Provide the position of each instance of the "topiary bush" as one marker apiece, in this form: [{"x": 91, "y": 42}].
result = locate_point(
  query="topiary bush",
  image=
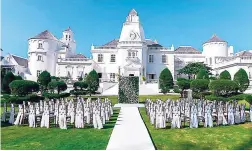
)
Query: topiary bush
[
  {"x": 241, "y": 78},
  {"x": 199, "y": 85},
  {"x": 223, "y": 87},
  {"x": 57, "y": 85},
  {"x": 92, "y": 80},
  {"x": 225, "y": 75},
  {"x": 128, "y": 89},
  {"x": 23, "y": 87},
  {"x": 165, "y": 81},
  {"x": 43, "y": 80}
]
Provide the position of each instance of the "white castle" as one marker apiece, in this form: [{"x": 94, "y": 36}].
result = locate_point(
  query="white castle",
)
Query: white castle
[{"x": 132, "y": 54}]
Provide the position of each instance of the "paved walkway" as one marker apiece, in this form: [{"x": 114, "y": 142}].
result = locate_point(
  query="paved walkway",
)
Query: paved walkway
[{"x": 130, "y": 132}]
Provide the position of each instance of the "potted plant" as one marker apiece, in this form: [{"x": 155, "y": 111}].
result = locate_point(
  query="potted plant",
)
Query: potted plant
[{"x": 144, "y": 79}]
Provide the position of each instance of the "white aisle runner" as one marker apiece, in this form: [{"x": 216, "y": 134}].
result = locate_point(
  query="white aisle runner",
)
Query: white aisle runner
[{"x": 130, "y": 132}]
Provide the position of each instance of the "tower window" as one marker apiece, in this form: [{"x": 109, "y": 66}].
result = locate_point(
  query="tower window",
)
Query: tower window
[
  {"x": 113, "y": 58},
  {"x": 164, "y": 59},
  {"x": 151, "y": 58},
  {"x": 40, "y": 45},
  {"x": 69, "y": 37},
  {"x": 38, "y": 72},
  {"x": 100, "y": 58},
  {"x": 66, "y": 37},
  {"x": 40, "y": 58}
]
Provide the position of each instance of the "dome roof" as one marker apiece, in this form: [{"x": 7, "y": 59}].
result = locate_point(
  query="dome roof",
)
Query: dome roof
[{"x": 214, "y": 38}]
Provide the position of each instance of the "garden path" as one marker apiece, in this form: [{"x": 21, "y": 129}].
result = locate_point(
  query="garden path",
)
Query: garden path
[{"x": 130, "y": 132}]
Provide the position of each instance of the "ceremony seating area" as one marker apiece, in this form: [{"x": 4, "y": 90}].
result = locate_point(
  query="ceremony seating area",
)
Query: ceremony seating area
[
  {"x": 60, "y": 113},
  {"x": 183, "y": 111}
]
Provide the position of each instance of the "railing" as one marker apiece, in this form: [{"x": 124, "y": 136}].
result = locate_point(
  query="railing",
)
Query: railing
[
  {"x": 152, "y": 81},
  {"x": 106, "y": 80}
]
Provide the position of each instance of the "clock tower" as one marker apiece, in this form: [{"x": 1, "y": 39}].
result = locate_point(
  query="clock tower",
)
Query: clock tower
[
  {"x": 132, "y": 47},
  {"x": 132, "y": 29}
]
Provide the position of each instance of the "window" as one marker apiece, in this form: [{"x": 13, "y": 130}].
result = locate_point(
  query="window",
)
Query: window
[
  {"x": 66, "y": 37},
  {"x": 112, "y": 58},
  {"x": 38, "y": 72},
  {"x": 40, "y": 45},
  {"x": 39, "y": 58},
  {"x": 151, "y": 76},
  {"x": 100, "y": 58},
  {"x": 133, "y": 54},
  {"x": 69, "y": 37},
  {"x": 112, "y": 76},
  {"x": 100, "y": 75},
  {"x": 151, "y": 58},
  {"x": 129, "y": 54},
  {"x": 164, "y": 59},
  {"x": 210, "y": 60}
]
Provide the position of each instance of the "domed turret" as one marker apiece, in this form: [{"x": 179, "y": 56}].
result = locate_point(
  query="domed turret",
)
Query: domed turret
[
  {"x": 68, "y": 39},
  {"x": 214, "y": 47},
  {"x": 41, "y": 53}
]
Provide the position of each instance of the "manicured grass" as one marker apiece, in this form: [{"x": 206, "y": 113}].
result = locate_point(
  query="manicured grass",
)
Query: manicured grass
[
  {"x": 236, "y": 137},
  {"x": 25, "y": 138}
]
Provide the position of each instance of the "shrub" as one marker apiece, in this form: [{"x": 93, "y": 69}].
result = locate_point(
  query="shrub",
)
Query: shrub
[
  {"x": 8, "y": 78},
  {"x": 44, "y": 79},
  {"x": 92, "y": 81},
  {"x": 55, "y": 95},
  {"x": 30, "y": 97},
  {"x": 212, "y": 78},
  {"x": 223, "y": 87},
  {"x": 80, "y": 85},
  {"x": 57, "y": 85},
  {"x": 239, "y": 97},
  {"x": 217, "y": 98},
  {"x": 23, "y": 87},
  {"x": 202, "y": 74},
  {"x": 165, "y": 81},
  {"x": 77, "y": 92},
  {"x": 249, "y": 99},
  {"x": 225, "y": 75},
  {"x": 54, "y": 78},
  {"x": 241, "y": 78}
]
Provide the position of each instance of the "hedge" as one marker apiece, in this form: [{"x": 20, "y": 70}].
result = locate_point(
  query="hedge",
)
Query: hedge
[
  {"x": 55, "y": 95},
  {"x": 30, "y": 97}
]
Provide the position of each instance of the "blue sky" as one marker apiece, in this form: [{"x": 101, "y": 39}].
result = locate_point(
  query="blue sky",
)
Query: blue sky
[{"x": 177, "y": 22}]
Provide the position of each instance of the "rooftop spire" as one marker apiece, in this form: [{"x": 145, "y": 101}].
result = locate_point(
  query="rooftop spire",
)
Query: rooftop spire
[
  {"x": 68, "y": 29},
  {"x": 133, "y": 12}
]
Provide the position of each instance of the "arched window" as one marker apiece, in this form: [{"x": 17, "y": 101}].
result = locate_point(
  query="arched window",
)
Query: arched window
[
  {"x": 40, "y": 45},
  {"x": 40, "y": 58},
  {"x": 100, "y": 57}
]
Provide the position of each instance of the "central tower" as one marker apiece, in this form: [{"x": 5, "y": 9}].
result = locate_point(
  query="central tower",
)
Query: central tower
[{"x": 132, "y": 47}]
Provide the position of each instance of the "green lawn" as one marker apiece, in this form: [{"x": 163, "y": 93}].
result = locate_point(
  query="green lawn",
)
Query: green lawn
[
  {"x": 25, "y": 138},
  {"x": 236, "y": 137}
]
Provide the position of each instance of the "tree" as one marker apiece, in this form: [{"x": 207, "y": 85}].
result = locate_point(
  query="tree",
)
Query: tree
[
  {"x": 43, "y": 79},
  {"x": 57, "y": 85},
  {"x": 165, "y": 81},
  {"x": 23, "y": 87},
  {"x": 8, "y": 78},
  {"x": 92, "y": 81},
  {"x": 202, "y": 74},
  {"x": 54, "y": 78},
  {"x": 183, "y": 84},
  {"x": 241, "y": 78},
  {"x": 225, "y": 75},
  {"x": 192, "y": 69}
]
